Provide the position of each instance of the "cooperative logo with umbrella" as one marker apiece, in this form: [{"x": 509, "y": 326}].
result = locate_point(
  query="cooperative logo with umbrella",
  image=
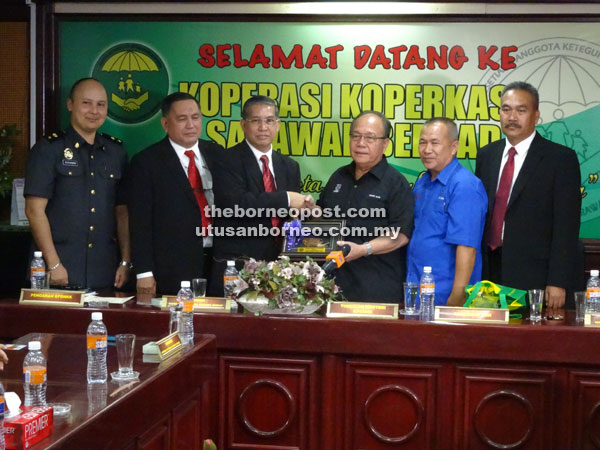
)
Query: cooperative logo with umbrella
[{"x": 135, "y": 79}]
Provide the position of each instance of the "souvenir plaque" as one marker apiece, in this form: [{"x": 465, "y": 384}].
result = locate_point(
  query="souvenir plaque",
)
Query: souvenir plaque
[
  {"x": 51, "y": 297},
  {"x": 201, "y": 304},
  {"x": 314, "y": 238},
  {"x": 356, "y": 309},
  {"x": 169, "y": 345},
  {"x": 471, "y": 315},
  {"x": 592, "y": 320}
]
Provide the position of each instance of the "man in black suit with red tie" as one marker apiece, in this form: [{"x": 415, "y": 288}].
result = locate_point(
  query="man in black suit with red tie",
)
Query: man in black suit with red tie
[
  {"x": 171, "y": 184},
  {"x": 257, "y": 178},
  {"x": 532, "y": 225}
]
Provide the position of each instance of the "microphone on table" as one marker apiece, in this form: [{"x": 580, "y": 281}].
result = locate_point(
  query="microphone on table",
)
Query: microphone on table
[{"x": 335, "y": 259}]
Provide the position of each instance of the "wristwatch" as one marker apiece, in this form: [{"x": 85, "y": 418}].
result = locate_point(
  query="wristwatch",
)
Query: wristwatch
[
  {"x": 126, "y": 264},
  {"x": 369, "y": 248}
]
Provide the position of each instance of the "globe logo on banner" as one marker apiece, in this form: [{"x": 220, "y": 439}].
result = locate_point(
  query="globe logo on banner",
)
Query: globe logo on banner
[{"x": 136, "y": 81}]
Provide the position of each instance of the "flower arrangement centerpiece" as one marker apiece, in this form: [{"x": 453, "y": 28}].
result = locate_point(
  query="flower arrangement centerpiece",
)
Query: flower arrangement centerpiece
[{"x": 283, "y": 286}]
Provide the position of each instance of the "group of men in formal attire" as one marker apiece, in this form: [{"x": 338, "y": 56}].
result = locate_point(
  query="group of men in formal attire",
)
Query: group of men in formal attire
[{"x": 515, "y": 222}]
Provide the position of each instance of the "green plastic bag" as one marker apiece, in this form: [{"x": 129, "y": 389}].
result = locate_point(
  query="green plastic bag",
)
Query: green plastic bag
[{"x": 486, "y": 294}]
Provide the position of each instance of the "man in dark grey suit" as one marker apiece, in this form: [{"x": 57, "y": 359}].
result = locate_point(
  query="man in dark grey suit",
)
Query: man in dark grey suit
[
  {"x": 171, "y": 184},
  {"x": 533, "y": 186},
  {"x": 257, "y": 178}
]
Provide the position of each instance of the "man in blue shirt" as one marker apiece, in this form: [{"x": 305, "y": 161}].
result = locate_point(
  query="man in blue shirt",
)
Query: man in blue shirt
[{"x": 450, "y": 208}]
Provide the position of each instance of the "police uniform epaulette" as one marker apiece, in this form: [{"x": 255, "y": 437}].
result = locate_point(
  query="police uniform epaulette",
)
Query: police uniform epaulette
[
  {"x": 112, "y": 138},
  {"x": 55, "y": 135}
]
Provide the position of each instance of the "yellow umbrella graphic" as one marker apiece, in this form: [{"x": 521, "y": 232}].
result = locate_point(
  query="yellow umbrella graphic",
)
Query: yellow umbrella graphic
[{"x": 129, "y": 61}]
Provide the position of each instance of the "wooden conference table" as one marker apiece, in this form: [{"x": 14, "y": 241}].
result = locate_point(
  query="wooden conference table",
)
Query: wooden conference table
[
  {"x": 316, "y": 383},
  {"x": 169, "y": 407}
]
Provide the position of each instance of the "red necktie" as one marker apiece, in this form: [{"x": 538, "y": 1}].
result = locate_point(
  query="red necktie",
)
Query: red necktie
[
  {"x": 196, "y": 183},
  {"x": 269, "y": 183},
  {"x": 501, "y": 202}
]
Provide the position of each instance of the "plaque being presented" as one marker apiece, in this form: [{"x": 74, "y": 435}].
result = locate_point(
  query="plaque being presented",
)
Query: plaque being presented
[{"x": 314, "y": 238}]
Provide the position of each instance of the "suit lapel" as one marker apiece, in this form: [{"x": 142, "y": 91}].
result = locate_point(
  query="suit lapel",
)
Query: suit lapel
[
  {"x": 534, "y": 155},
  {"x": 280, "y": 172},
  {"x": 253, "y": 171},
  {"x": 496, "y": 161},
  {"x": 175, "y": 171}
]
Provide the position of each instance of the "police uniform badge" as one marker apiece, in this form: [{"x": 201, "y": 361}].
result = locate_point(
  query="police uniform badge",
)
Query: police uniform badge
[{"x": 68, "y": 153}]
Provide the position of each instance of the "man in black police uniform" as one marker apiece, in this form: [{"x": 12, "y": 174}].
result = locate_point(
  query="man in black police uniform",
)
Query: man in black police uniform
[
  {"x": 375, "y": 267},
  {"x": 74, "y": 197}
]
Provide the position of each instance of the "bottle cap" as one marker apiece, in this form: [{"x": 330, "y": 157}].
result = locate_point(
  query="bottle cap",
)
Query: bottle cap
[
  {"x": 37, "y": 254},
  {"x": 594, "y": 272},
  {"x": 230, "y": 263},
  {"x": 34, "y": 345},
  {"x": 97, "y": 315},
  {"x": 185, "y": 284},
  {"x": 427, "y": 269}
]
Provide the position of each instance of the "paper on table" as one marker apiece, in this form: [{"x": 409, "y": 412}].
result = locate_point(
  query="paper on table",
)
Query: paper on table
[{"x": 111, "y": 300}]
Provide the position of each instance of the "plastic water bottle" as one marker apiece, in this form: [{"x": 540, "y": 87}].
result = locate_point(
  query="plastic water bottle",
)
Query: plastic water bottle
[
  {"x": 96, "y": 350},
  {"x": 37, "y": 273},
  {"x": 186, "y": 324},
  {"x": 2, "y": 408},
  {"x": 593, "y": 293},
  {"x": 229, "y": 278},
  {"x": 34, "y": 376},
  {"x": 427, "y": 288}
]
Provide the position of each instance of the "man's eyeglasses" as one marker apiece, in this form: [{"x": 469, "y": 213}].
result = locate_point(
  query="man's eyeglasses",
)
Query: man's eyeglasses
[
  {"x": 255, "y": 121},
  {"x": 369, "y": 138}
]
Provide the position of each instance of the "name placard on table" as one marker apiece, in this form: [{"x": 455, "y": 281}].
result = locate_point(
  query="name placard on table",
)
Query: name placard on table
[
  {"x": 201, "y": 304},
  {"x": 54, "y": 297},
  {"x": 169, "y": 345},
  {"x": 356, "y": 309},
  {"x": 471, "y": 315}
]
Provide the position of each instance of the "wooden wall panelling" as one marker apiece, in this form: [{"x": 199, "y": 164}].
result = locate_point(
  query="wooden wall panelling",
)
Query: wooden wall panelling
[
  {"x": 157, "y": 437},
  {"x": 506, "y": 408},
  {"x": 583, "y": 410},
  {"x": 268, "y": 402},
  {"x": 185, "y": 422},
  {"x": 390, "y": 405}
]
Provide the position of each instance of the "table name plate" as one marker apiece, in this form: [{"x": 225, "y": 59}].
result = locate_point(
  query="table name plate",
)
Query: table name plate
[
  {"x": 52, "y": 297},
  {"x": 471, "y": 315},
  {"x": 356, "y": 309},
  {"x": 201, "y": 304},
  {"x": 169, "y": 345}
]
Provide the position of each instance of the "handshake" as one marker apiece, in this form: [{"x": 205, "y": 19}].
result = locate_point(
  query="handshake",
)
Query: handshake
[{"x": 302, "y": 204}]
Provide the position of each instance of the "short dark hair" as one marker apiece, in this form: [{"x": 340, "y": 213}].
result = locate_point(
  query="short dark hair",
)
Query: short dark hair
[
  {"x": 450, "y": 126},
  {"x": 523, "y": 86},
  {"x": 259, "y": 100},
  {"x": 77, "y": 83},
  {"x": 165, "y": 105},
  {"x": 387, "y": 125}
]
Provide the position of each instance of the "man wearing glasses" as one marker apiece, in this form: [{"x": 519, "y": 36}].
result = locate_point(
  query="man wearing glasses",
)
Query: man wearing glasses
[
  {"x": 257, "y": 179},
  {"x": 375, "y": 267}
]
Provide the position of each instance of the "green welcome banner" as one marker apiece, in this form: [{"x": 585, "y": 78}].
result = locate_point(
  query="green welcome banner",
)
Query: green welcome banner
[{"x": 323, "y": 74}]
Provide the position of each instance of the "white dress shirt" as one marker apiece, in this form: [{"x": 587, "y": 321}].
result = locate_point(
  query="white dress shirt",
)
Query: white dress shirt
[
  {"x": 522, "y": 148},
  {"x": 258, "y": 154}
]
